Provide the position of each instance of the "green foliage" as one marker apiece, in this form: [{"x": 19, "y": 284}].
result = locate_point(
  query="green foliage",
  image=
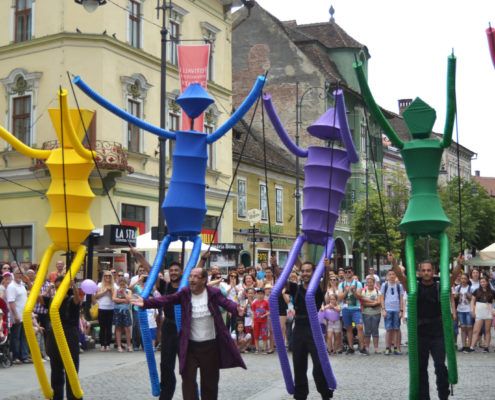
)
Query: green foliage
[{"x": 478, "y": 215}]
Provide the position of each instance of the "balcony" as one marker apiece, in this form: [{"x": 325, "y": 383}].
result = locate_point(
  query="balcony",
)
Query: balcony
[{"x": 109, "y": 156}]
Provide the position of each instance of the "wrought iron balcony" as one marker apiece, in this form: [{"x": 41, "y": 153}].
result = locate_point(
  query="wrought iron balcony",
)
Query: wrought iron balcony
[{"x": 109, "y": 155}]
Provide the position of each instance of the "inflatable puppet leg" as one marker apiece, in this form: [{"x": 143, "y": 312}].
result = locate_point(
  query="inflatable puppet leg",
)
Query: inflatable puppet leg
[
  {"x": 448, "y": 330},
  {"x": 143, "y": 316},
  {"x": 57, "y": 328},
  {"x": 274, "y": 312},
  {"x": 412, "y": 319},
  {"x": 191, "y": 263},
  {"x": 313, "y": 317},
  {"x": 27, "y": 321}
]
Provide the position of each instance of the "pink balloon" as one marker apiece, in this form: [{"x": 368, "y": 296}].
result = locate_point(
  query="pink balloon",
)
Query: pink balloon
[{"x": 88, "y": 286}]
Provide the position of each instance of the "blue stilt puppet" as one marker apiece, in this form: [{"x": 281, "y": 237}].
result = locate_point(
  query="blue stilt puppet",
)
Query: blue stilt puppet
[{"x": 184, "y": 207}]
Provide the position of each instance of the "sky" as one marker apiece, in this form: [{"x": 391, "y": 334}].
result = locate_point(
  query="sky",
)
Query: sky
[{"x": 409, "y": 43}]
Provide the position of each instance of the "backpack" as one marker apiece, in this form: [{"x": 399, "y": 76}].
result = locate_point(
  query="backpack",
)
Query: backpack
[{"x": 386, "y": 288}]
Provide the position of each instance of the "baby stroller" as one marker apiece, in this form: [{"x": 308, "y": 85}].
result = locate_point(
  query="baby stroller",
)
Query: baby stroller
[{"x": 5, "y": 357}]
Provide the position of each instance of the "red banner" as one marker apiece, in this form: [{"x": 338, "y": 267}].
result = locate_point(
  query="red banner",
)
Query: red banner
[
  {"x": 209, "y": 236},
  {"x": 193, "y": 67}
]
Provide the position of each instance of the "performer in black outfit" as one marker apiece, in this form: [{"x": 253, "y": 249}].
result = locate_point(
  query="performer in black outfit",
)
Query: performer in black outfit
[
  {"x": 303, "y": 343},
  {"x": 69, "y": 315}
]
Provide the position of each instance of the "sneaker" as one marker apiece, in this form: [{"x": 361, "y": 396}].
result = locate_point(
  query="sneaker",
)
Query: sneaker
[
  {"x": 340, "y": 352},
  {"x": 486, "y": 350},
  {"x": 27, "y": 361},
  {"x": 461, "y": 350},
  {"x": 17, "y": 361},
  {"x": 350, "y": 350},
  {"x": 397, "y": 352},
  {"x": 387, "y": 352},
  {"x": 364, "y": 352},
  {"x": 468, "y": 350}
]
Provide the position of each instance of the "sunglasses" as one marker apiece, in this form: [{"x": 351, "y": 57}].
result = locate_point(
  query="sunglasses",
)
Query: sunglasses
[
  {"x": 333, "y": 279},
  {"x": 348, "y": 272}
]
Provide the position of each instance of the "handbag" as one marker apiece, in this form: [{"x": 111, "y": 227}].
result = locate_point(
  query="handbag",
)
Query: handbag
[{"x": 93, "y": 311}]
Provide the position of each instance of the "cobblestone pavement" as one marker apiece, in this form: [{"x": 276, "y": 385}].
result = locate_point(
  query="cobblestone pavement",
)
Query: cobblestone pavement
[{"x": 124, "y": 376}]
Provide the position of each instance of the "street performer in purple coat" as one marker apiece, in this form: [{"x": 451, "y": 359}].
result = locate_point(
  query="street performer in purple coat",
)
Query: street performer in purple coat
[{"x": 204, "y": 340}]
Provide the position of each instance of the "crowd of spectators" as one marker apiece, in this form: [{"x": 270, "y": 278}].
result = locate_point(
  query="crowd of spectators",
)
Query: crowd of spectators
[{"x": 350, "y": 316}]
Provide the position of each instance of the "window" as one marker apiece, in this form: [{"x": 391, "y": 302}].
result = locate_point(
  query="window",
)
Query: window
[
  {"x": 133, "y": 132},
  {"x": 135, "y": 23},
  {"x": 17, "y": 239},
  {"x": 241, "y": 198},
  {"x": 210, "y": 122},
  {"x": 132, "y": 212},
  {"x": 21, "y": 118},
  {"x": 210, "y": 148},
  {"x": 174, "y": 41},
  {"x": 279, "y": 207},
  {"x": 173, "y": 125},
  {"x": 263, "y": 202},
  {"x": 210, "y": 34},
  {"x": 23, "y": 20}
]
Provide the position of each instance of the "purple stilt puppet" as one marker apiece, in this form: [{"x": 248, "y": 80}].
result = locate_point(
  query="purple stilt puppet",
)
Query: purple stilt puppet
[{"x": 326, "y": 173}]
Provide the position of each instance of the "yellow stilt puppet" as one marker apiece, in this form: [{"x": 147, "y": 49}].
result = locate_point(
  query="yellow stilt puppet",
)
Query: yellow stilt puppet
[{"x": 69, "y": 199}]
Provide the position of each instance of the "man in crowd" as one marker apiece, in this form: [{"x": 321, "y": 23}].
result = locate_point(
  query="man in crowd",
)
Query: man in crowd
[
  {"x": 17, "y": 297},
  {"x": 350, "y": 292},
  {"x": 205, "y": 342},
  {"x": 59, "y": 271},
  {"x": 302, "y": 337}
]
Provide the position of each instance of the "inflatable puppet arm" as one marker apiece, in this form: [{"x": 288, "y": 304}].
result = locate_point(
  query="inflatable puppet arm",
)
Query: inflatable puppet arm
[
  {"x": 240, "y": 112},
  {"x": 490, "y": 33},
  {"x": 282, "y": 133},
  {"x": 121, "y": 113},
  {"x": 373, "y": 107},
  {"x": 451, "y": 103},
  {"x": 344, "y": 126},
  {"x": 68, "y": 116},
  {"x": 21, "y": 147}
]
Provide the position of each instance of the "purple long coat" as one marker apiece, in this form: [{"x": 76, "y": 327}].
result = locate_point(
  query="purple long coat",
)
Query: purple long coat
[{"x": 229, "y": 354}]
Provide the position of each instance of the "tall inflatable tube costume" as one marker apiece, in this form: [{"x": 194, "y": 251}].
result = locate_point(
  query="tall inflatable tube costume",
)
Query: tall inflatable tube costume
[
  {"x": 76, "y": 163},
  {"x": 184, "y": 206},
  {"x": 326, "y": 173},
  {"x": 424, "y": 214}
]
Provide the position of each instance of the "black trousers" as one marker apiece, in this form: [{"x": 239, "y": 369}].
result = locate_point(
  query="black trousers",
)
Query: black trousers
[
  {"x": 433, "y": 345},
  {"x": 303, "y": 344},
  {"x": 58, "y": 375},
  {"x": 170, "y": 347},
  {"x": 105, "y": 320},
  {"x": 205, "y": 356}
]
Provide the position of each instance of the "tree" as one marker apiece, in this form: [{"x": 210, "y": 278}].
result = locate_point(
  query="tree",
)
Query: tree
[{"x": 478, "y": 215}]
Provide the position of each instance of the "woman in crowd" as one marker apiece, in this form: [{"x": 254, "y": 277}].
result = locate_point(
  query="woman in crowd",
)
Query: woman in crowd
[
  {"x": 231, "y": 291},
  {"x": 463, "y": 296},
  {"x": 104, "y": 297},
  {"x": 371, "y": 310},
  {"x": 122, "y": 315},
  {"x": 482, "y": 310}
]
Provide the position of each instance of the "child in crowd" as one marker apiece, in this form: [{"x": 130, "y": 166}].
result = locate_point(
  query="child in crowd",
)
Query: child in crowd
[
  {"x": 40, "y": 336},
  {"x": 261, "y": 310},
  {"x": 248, "y": 315},
  {"x": 241, "y": 337},
  {"x": 152, "y": 314},
  {"x": 331, "y": 314}
]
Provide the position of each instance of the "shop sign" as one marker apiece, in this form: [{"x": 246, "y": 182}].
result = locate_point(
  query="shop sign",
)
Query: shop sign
[{"x": 120, "y": 235}]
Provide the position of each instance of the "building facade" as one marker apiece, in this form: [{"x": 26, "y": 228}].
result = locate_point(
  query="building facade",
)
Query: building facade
[{"x": 116, "y": 50}]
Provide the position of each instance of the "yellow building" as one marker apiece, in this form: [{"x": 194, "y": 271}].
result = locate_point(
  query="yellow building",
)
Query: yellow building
[
  {"x": 116, "y": 50},
  {"x": 275, "y": 197}
]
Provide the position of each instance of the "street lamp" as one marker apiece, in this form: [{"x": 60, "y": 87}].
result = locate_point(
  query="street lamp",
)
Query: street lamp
[
  {"x": 91, "y": 5},
  {"x": 299, "y": 101}
]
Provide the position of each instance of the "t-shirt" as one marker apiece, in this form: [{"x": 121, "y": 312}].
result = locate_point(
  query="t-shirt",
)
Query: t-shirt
[
  {"x": 474, "y": 285},
  {"x": 105, "y": 302},
  {"x": 260, "y": 307},
  {"x": 202, "y": 324},
  {"x": 17, "y": 293},
  {"x": 373, "y": 296},
  {"x": 248, "y": 316},
  {"x": 482, "y": 296},
  {"x": 166, "y": 288},
  {"x": 391, "y": 295},
  {"x": 298, "y": 293},
  {"x": 429, "y": 312},
  {"x": 151, "y": 314},
  {"x": 464, "y": 295},
  {"x": 350, "y": 300}
]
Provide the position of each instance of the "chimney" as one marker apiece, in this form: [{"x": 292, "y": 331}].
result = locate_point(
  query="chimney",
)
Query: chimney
[
  {"x": 477, "y": 173},
  {"x": 403, "y": 104}
]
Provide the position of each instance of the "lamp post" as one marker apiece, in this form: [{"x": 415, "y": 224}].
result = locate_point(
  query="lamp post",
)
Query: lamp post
[{"x": 298, "y": 124}]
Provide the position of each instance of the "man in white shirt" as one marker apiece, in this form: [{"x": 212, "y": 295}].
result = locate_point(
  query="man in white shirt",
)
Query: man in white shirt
[{"x": 16, "y": 297}]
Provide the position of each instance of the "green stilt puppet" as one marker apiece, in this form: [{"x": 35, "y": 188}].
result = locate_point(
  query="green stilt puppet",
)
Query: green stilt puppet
[{"x": 424, "y": 215}]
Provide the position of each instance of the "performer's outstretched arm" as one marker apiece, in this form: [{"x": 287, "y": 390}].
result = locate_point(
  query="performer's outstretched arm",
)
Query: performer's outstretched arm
[
  {"x": 282, "y": 133},
  {"x": 451, "y": 103},
  {"x": 240, "y": 112},
  {"x": 344, "y": 126},
  {"x": 374, "y": 109},
  {"x": 121, "y": 113},
  {"x": 23, "y": 148}
]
